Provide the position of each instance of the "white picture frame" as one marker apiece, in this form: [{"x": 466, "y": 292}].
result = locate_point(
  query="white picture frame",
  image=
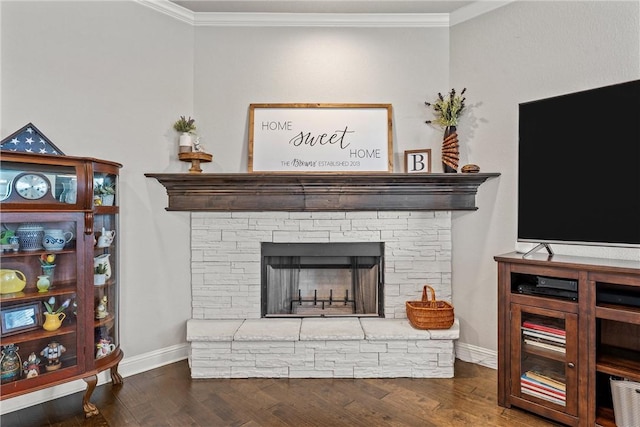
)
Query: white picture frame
[{"x": 303, "y": 138}]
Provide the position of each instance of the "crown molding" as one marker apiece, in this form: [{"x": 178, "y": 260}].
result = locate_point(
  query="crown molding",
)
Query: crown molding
[
  {"x": 475, "y": 9},
  {"x": 171, "y": 9},
  {"x": 380, "y": 20},
  {"x": 323, "y": 19}
]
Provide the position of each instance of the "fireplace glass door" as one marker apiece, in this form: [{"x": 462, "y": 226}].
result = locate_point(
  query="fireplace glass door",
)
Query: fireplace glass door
[{"x": 322, "y": 279}]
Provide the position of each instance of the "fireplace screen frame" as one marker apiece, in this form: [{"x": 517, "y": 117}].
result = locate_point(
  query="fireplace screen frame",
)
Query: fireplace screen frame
[{"x": 355, "y": 251}]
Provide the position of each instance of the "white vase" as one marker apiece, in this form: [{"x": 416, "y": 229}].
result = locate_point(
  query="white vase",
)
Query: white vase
[{"x": 186, "y": 144}]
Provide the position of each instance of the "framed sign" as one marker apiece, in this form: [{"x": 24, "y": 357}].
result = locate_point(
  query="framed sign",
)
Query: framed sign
[
  {"x": 417, "y": 161},
  {"x": 320, "y": 138},
  {"x": 20, "y": 318}
]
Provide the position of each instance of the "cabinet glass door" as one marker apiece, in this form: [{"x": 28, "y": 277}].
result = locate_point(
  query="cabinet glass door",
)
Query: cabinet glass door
[
  {"x": 545, "y": 369},
  {"x": 40, "y": 185},
  {"x": 41, "y": 298},
  {"x": 106, "y": 268}
]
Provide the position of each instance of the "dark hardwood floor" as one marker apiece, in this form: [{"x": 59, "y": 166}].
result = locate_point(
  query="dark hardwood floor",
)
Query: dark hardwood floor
[{"x": 168, "y": 397}]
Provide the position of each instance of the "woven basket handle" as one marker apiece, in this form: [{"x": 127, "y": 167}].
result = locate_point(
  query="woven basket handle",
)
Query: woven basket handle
[{"x": 425, "y": 297}]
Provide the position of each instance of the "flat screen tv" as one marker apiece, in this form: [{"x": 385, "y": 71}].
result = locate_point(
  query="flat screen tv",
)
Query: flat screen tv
[{"x": 579, "y": 168}]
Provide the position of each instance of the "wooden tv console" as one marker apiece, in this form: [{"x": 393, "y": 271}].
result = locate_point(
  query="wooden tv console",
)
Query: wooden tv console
[{"x": 584, "y": 342}]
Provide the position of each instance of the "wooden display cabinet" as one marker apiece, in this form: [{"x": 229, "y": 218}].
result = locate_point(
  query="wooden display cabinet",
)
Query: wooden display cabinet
[
  {"x": 556, "y": 353},
  {"x": 45, "y": 197}
]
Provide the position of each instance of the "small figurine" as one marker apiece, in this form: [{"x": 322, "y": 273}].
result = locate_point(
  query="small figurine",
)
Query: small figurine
[
  {"x": 31, "y": 366},
  {"x": 197, "y": 147},
  {"x": 105, "y": 347},
  {"x": 52, "y": 352},
  {"x": 10, "y": 364},
  {"x": 101, "y": 310}
]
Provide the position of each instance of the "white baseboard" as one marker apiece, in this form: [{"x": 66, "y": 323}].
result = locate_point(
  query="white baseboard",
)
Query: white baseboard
[
  {"x": 128, "y": 366},
  {"x": 477, "y": 355}
]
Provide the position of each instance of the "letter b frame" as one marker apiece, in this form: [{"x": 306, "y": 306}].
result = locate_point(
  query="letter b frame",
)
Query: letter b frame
[{"x": 417, "y": 161}]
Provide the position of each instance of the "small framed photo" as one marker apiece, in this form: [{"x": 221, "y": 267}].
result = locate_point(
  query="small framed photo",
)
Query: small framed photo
[
  {"x": 20, "y": 318},
  {"x": 417, "y": 161}
]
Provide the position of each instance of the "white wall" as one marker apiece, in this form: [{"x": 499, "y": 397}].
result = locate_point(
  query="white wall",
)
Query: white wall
[
  {"x": 521, "y": 52},
  {"x": 107, "y": 80},
  {"x": 239, "y": 66}
]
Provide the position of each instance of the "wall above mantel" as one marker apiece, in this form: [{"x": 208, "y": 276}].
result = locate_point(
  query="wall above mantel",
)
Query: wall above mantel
[{"x": 321, "y": 191}]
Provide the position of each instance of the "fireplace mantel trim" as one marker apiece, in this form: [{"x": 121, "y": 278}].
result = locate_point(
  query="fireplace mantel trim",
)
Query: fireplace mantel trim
[{"x": 321, "y": 191}]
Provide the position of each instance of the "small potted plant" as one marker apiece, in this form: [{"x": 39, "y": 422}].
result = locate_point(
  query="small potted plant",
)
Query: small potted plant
[
  {"x": 186, "y": 127},
  {"x": 100, "y": 274},
  {"x": 106, "y": 193}
]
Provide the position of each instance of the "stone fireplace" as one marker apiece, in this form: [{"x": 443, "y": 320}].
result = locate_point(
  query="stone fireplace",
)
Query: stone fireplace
[
  {"x": 230, "y": 338},
  {"x": 233, "y": 216},
  {"x": 226, "y": 254},
  {"x": 322, "y": 279}
]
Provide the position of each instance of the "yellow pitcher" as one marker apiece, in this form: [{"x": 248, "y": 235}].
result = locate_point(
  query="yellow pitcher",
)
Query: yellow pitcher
[{"x": 53, "y": 321}]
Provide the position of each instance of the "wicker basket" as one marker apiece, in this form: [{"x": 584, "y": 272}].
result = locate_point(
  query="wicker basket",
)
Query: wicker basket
[
  {"x": 626, "y": 402},
  {"x": 429, "y": 313}
]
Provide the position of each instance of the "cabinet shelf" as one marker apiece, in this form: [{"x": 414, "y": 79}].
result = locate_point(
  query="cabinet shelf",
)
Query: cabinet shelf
[
  {"x": 38, "y": 334},
  {"x": 35, "y": 253},
  {"x": 605, "y": 417},
  {"x": 620, "y": 313},
  {"x": 106, "y": 210},
  {"x": 541, "y": 352},
  {"x": 619, "y": 362},
  {"x": 57, "y": 290},
  {"x": 107, "y": 321}
]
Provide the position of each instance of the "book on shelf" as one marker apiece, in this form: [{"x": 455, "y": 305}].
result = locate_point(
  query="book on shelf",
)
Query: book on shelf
[
  {"x": 543, "y": 394},
  {"x": 541, "y": 387},
  {"x": 545, "y": 335},
  {"x": 545, "y": 345},
  {"x": 547, "y": 379},
  {"x": 543, "y": 397},
  {"x": 540, "y": 326}
]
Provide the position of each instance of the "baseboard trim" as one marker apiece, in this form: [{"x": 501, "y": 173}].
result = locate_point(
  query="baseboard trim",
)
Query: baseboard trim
[
  {"x": 128, "y": 366},
  {"x": 477, "y": 355}
]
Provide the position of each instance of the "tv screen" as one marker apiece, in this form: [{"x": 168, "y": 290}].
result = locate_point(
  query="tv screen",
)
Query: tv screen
[{"x": 579, "y": 168}]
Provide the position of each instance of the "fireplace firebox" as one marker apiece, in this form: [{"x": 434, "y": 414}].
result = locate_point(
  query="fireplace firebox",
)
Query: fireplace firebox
[{"x": 322, "y": 279}]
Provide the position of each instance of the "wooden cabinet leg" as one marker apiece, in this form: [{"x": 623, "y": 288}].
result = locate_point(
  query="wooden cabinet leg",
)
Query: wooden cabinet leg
[
  {"x": 116, "y": 378},
  {"x": 89, "y": 408}
]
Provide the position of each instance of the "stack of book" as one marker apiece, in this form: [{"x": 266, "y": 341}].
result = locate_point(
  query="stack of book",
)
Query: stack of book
[
  {"x": 543, "y": 386},
  {"x": 549, "y": 337}
]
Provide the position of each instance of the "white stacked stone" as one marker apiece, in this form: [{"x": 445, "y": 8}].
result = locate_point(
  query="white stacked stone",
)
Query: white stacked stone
[
  {"x": 225, "y": 257},
  {"x": 319, "y": 348},
  {"x": 225, "y": 254}
]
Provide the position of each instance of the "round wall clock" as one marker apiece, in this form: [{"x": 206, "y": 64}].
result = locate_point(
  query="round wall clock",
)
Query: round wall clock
[{"x": 31, "y": 185}]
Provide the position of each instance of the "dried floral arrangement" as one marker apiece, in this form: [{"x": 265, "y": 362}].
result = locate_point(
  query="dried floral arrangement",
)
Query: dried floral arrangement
[{"x": 448, "y": 109}]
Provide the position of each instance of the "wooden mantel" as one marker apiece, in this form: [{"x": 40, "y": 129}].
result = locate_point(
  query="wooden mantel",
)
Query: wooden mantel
[{"x": 321, "y": 191}]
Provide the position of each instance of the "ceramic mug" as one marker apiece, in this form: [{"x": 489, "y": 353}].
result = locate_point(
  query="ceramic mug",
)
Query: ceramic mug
[{"x": 55, "y": 239}]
